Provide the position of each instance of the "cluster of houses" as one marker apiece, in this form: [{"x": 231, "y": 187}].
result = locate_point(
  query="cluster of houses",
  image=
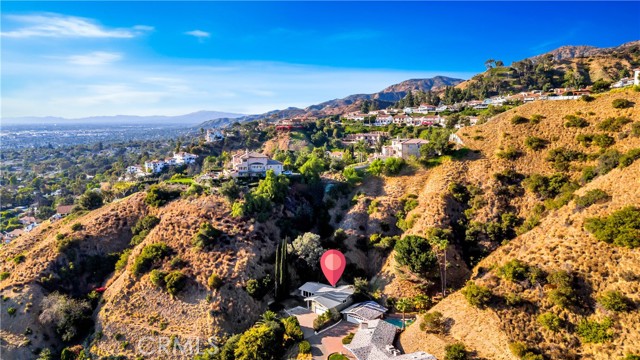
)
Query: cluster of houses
[
  {"x": 29, "y": 222},
  {"x": 214, "y": 135},
  {"x": 375, "y": 336},
  {"x": 157, "y": 166}
]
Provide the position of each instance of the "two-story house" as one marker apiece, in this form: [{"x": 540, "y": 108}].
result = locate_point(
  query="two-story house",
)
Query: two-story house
[{"x": 250, "y": 163}]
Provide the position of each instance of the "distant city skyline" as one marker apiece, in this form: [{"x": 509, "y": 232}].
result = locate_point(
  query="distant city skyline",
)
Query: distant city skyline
[{"x": 81, "y": 59}]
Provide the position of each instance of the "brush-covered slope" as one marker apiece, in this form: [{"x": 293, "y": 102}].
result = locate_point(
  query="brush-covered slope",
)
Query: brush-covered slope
[
  {"x": 132, "y": 306},
  {"x": 558, "y": 242}
]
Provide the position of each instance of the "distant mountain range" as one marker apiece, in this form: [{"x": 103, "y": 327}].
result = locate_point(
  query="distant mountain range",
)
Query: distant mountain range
[
  {"x": 383, "y": 98},
  {"x": 578, "y": 51},
  {"x": 187, "y": 119}
]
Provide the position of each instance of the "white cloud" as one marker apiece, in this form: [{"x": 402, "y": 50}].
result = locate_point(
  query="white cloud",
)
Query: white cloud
[
  {"x": 198, "y": 34},
  {"x": 94, "y": 58},
  {"x": 63, "y": 26}
]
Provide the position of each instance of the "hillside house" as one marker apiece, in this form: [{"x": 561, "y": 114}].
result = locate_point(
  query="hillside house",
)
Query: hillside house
[
  {"x": 320, "y": 297},
  {"x": 371, "y": 138},
  {"x": 383, "y": 119},
  {"x": 624, "y": 82},
  {"x": 250, "y": 163},
  {"x": 364, "y": 311},
  {"x": 403, "y": 148},
  {"x": 183, "y": 158},
  {"x": 214, "y": 135},
  {"x": 374, "y": 341},
  {"x": 154, "y": 166},
  {"x": 426, "y": 108},
  {"x": 356, "y": 116},
  {"x": 401, "y": 119}
]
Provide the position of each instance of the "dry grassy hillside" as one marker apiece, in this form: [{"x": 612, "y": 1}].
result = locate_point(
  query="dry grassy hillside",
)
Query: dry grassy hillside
[
  {"x": 558, "y": 242},
  {"x": 150, "y": 310},
  {"x": 131, "y": 306},
  {"x": 105, "y": 231}
]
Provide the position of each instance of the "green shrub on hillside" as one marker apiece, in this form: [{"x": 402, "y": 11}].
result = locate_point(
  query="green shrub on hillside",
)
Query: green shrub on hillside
[
  {"x": 416, "y": 253},
  {"x": 476, "y": 295},
  {"x": 628, "y": 158},
  {"x": 536, "y": 118},
  {"x": 77, "y": 227},
  {"x": 592, "y": 197},
  {"x": 518, "y": 119},
  {"x": 456, "y": 351},
  {"x": 206, "y": 236},
  {"x": 561, "y": 158},
  {"x": 548, "y": 187},
  {"x": 614, "y": 124},
  {"x": 535, "y": 143},
  {"x": 158, "y": 196},
  {"x": 175, "y": 281},
  {"x": 562, "y": 293},
  {"x": 514, "y": 270},
  {"x": 575, "y": 121},
  {"x": 550, "y": 321},
  {"x": 123, "y": 259},
  {"x": 214, "y": 281},
  {"x": 621, "y": 103},
  {"x": 595, "y": 332},
  {"x": 601, "y": 140},
  {"x": 149, "y": 257},
  {"x": 635, "y": 129},
  {"x": 510, "y": 153},
  {"x": 614, "y": 301},
  {"x": 621, "y": 228},
  {"x": 157, "y": 277},
  {"x": 433, "y": 322}
]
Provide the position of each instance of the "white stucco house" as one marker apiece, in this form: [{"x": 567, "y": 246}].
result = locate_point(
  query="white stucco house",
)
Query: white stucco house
[
  {"x": 250, "y": 163},
  {"x": 403, "y": 148},
  {"x": 184, "y": 158},
  {"x": 321, "y": 297}
]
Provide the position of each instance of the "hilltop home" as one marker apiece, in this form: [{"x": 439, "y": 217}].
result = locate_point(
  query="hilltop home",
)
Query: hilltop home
[
  {"x": 403, "y": 148},
  {"x": 320, "y": 297},
  {"x": 250, "y": 163}
]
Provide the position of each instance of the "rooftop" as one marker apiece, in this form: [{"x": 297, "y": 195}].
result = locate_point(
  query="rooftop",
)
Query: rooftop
[
  {"x": 326, "y": 295},
  {"x": 368, "y": 310},
  {"x": 372, "y": 342}
]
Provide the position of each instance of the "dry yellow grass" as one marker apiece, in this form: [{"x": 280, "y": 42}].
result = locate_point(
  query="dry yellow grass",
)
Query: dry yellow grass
[{"x": 559, "y": 242}]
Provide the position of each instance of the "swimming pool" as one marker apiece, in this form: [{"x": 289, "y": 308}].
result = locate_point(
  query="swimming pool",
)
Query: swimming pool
[{"x": 397, "y": 322}]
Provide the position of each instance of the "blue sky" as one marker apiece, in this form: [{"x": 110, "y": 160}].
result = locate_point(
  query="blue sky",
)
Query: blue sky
[{"x": 78, "y": 59}]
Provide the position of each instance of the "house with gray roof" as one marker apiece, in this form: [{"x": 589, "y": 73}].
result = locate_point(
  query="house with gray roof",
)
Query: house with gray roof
[
  {"x": 364, "y": 311},
  {"x": 374, "y": 341},
  {"x": 320, "y": 297}
]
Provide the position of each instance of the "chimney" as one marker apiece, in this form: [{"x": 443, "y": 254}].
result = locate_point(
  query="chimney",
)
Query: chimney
[{"x": 364, "y": 325}]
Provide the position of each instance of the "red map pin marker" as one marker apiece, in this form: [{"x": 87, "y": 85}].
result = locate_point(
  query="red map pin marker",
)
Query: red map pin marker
[{"x": 333, "y": 263}]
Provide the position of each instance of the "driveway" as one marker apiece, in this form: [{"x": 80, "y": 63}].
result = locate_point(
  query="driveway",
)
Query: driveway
[
  {"x": 330, "y": 341},
  {"x": 305, "y": 318}
]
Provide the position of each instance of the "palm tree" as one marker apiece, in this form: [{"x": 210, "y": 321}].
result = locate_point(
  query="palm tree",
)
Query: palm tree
[
  {"x": 403, "y": 305},
  {"x": 266, "y": 317}
]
